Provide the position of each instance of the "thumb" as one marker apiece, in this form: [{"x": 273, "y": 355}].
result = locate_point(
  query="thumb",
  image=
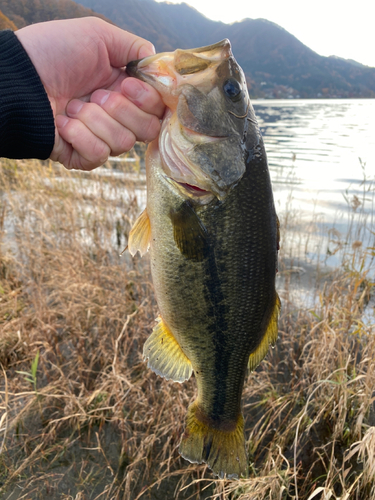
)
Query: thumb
[{"x": 122, "y": 46}]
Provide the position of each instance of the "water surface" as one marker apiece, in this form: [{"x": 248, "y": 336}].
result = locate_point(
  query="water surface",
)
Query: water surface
[{"x": 321, "y": 156}]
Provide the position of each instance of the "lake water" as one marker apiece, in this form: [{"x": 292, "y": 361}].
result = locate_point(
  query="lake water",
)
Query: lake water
[{"x": 319, "y": 153}]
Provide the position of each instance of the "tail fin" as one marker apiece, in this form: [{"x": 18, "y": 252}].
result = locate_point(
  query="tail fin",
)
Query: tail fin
[{"x": 222, "y": 450}]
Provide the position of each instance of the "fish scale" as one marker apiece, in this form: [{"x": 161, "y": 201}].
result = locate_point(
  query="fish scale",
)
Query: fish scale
[{"x": 212, "y": 233}]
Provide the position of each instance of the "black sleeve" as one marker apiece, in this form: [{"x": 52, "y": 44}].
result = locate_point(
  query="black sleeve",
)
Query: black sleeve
[{"x": 27, "y": 128}]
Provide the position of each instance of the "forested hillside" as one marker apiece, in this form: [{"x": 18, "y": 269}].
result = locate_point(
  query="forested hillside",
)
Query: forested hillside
[
  {"x": 275, "y": 62},
  {"x": 24, "y": 12}
]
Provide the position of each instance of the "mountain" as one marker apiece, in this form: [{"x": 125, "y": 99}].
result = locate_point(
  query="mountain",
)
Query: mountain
[
  {"x": 23, "y": 12},
  {"x": 275, "y": 62}
]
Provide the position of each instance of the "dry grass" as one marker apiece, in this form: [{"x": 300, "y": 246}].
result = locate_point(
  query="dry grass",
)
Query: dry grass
[{"x": 90, "y": 421}]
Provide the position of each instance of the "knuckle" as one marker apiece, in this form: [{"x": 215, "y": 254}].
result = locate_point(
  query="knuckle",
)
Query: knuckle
[
  {"x": 96, "y": 21},
  {"x": 116, "y": 103},
  {"x": 100, "y": 152},
  {"x": 127, "y": 142},
  {"x": 85, "y": 165},
  {"x": 71, "y": 130},
  {"x": 151, "y": 130},
  {"x": 86, "y": 111},
  {"x": 123, "y": 144}
]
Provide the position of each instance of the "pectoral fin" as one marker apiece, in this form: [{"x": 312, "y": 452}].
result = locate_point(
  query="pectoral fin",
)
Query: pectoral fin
[
  {"x": 189, "y": 233},
  {"x": 140, "y": 235},
  {"x": 269, "y": 338},
  {"x": 165, "y": 356}
]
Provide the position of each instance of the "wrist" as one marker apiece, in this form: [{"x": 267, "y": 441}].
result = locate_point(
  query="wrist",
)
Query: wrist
[{"x": 27, "y": 128}]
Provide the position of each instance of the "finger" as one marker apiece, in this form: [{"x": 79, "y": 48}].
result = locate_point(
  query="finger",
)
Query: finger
[
  {"x": 144, "y": 126},
  {"x": 71, "y": 160},
  {"x": 143, "y": 96},
  {"x": 63, "y": 153},
  {"x": 102, "y": 125},
  {"x": 78, "y": 147}
]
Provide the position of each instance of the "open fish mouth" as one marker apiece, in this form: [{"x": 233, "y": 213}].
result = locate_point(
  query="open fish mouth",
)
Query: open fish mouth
[
  {"x": 204, "y": 130},
  {"x": 168, "y": 69}
]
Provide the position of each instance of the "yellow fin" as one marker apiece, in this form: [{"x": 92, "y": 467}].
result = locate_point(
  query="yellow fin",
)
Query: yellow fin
[
  {"x": 140, "y": 235},
  {"x": 165, "y": 356},
  {"x": 269, "y": 338},
  {"x": 222, "y": 450}
]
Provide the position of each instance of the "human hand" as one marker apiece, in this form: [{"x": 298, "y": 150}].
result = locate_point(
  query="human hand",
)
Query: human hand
[{"x": 82, "y": 59}]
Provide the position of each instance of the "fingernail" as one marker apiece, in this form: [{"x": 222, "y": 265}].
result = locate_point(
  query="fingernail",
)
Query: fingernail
[
  {"x": 103, "y": 98},
  {"x": 100, "y": 96},
  {"x": 132, "y": 88},
  {"x": 149, "y": 50},
  {"x": 74, "y": 107}
]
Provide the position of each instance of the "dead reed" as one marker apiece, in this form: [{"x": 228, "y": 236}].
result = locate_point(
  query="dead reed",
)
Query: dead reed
[{"x": 81, "y": 417}]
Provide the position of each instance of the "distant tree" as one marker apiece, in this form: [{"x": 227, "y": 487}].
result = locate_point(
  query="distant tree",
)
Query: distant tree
[
  {"x": 269, "y": 55},
  {"x": 24, "y": 12},
  {"x": 6, "y": 24}
]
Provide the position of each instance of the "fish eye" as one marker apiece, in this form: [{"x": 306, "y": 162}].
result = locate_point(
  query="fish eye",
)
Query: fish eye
[{"x": 232, "y": 88}]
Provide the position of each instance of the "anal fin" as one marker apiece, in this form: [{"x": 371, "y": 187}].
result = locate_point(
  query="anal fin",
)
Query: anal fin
[
  {"x": 140, "y": 235},
  {"x": 165, "y": 356},
  {"x": 269, "y": 338}
]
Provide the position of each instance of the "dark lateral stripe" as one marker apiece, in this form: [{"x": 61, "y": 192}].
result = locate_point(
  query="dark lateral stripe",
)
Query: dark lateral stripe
[{"x": 219, "y": 327}]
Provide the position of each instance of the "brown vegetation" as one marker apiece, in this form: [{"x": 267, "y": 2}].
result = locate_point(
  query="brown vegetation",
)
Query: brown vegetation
[
  {"x": 81, "y": 416},
  {"x": 6, "y": 24}
]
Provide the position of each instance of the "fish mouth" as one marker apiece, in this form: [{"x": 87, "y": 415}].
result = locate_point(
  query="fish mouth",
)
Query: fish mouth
[
  {"x": 195, "y": 193},
  {"x": 157, "y": 70},
  {"x": 166, "y": 69},
  {"x": 191, "y": 151}
]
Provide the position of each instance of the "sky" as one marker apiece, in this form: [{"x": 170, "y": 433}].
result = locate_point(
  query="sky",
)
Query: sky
[{"x": 329, "y": 27}]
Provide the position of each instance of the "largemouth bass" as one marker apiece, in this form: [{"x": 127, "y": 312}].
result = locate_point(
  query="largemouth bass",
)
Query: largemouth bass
[{"x": 212, "y": 231}]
